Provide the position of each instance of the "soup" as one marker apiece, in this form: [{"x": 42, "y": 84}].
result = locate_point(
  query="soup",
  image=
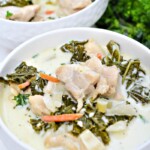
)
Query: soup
[
  {"x": 40, "y": 10},
  {"x": 79, "y": 96}
]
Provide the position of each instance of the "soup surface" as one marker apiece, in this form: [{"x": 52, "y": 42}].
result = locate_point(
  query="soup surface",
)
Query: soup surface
[
  {"x": 40, "y": 10},
  {"x": 79, "y": 96}
]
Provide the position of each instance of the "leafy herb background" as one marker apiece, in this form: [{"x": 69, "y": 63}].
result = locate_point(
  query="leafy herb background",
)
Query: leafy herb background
[{"x": 129, "y": 17}]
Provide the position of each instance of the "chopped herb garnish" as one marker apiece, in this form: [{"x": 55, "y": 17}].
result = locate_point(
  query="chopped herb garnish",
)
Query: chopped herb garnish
[
  {"x": 51, "y": 18},
  {"x": 21, "y": 99},
  {"x": 142, "y": 118},
  {"x": 8, "y": 14},
  {"x": 36, "y": 55}
]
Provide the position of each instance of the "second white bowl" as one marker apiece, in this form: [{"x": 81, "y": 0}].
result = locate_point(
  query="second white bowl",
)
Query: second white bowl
[{"x": 12, "y": 33}]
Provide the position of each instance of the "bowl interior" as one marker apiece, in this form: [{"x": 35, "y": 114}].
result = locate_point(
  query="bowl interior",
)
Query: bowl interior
[
  {"x": 59, "y": 37},
  {"x": 56, "y": 38}
]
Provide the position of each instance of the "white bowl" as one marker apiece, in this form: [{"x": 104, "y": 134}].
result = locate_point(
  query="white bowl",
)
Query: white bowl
[
  {"x": 12, "y": 33},
  {"x": 58, "y": 37}
]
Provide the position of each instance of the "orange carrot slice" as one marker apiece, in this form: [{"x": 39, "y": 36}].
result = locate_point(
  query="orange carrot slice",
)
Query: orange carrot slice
[
  {"x": 49, "y": 78},
  {"x": 99, "y": 55},
  {"x": 49, "y": 12},
  {"x": 62, "y": 118},
  {"x": 24, "y": 85}
]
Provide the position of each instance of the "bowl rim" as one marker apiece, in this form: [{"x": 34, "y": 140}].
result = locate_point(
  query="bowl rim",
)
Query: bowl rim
[
  {"x": 55, "y": 20},
  {"x": 3, "y": 126}
]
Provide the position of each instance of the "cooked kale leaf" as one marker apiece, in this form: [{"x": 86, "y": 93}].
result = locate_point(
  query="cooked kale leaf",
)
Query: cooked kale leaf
[
  {"x": 3, "y": 80},
  {"x": 114, "y": 119},
  {"x": 130, "y": 70},
  {"x": 140, "y": 93},
  {"x": 22, "y": 74},
  {"x": 38, "y": 125},
  {"x": 21, "y": 99},
  {"x": 77, "y": 49},
  {"x": 37, "y": 86},
  {"x": 19, "y": 3},
  {"x": 69, "y": 106},
  {"x": 94, "y": 123}
]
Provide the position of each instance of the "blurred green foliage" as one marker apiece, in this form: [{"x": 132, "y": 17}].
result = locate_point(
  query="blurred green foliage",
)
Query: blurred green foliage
[{"x": 129, "y": 17}]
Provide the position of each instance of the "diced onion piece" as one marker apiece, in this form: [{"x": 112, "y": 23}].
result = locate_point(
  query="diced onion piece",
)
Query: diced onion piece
[
  {"x": 117, "y": 127},
  {"x": 90, "y": 142},
  {"x": 102, "y": 106},
  {"x": 121, "y": 109}
]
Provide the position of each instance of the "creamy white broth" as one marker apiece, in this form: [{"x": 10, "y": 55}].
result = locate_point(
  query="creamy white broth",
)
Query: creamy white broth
[
  {"x": 137, "y": 132},
  {"x": 46, "y": 61},
  {"x": 133, "y": 137},
  {"x": 49, "y": 60}
]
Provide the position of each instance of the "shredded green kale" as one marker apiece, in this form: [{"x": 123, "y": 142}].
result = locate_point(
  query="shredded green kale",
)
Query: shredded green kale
[
  {"x": 78, "y": 51},
  {"x": 37, "y": 86},
  {"x": 19, "y": 3},
  {"x": 22, "y": 74},
  {"x": 130, "y": 70},
  {"x": 67, "y": 106},
  {"x": 38, "y": 125},
  {"x": 3, "y": 80},
  {"x": 21, "y": 99},
  {"x": 140, "y": 93},
  {"x": 94, "y": 123},
  {"x": 114, "y": 119}
]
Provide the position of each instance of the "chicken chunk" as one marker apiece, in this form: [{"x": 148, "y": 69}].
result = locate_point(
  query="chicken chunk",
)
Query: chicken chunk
[
  {"x": 20, "y": 13},
  {"x": 65, "y": 141},
  {"x": 111, "y": 74},
  {"x": 108, "y": 81},
  {"x": 53, "y": 93},
  {"x": 69, "y": 6},
  {"x": 79, "y": 80},
  {"x": 94, "y": 64},
  {"x": 92, "y": 48},
  {"x": 38, "y": 106}
]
